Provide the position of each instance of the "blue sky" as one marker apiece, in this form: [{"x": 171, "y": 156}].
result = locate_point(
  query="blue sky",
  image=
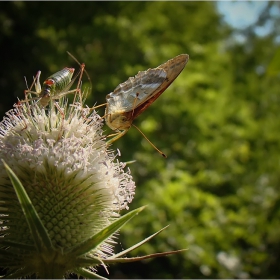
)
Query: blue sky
[{"x": 240, "y": 14}]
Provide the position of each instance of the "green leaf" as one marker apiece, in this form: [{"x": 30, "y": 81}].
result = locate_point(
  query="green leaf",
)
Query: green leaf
[
  {"x": 98, "y": 238},
  {"x": 19, "y": 273},
  {"x": 274, "y": 66},
  {"x": 7, "y": 253},
  {"x": 135, "y": 259},
  {"x": 88, "y": 274},
  {"x": 18, "y": 245},
  {"x": 136, "y": 245},
  {"x": 86, "y": 261},
  {"x": 38, "y": 231}
]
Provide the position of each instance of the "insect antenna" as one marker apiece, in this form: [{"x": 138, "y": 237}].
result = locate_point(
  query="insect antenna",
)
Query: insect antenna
[
  {"x": 26, "y": 82},
  {"x": 150, "y": 142},
  {"x": 134, "y": 106},
  {"x": 79, "y": 85},
  {"x": 59, "y": 136},
  {"x": 34, "y": 80}
]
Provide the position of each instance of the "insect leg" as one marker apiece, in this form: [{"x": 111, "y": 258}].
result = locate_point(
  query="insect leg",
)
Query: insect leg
[
  {"x": 38, "y": 88},
  {"x": 79, "y": 82},
  {"x": 63, "y": 117},
  {"x": 63, "y": 93},
  {"x": 83, "y": 70},
  {"x": 98, "y": 106},
  {"x": 118, "y": 135},
  {"x": 37, "y": 84},
  {"x": 33, "y": 98},
  {"x": 20, "y": 113}
]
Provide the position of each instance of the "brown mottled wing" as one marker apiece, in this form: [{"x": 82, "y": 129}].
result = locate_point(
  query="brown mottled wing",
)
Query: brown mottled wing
[
  {"x": 173, "y": 68},
  {"x": 135, "y": 91}
]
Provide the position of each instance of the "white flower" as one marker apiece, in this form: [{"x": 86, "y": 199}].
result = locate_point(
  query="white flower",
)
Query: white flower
[{"x": 74, "y": 182}]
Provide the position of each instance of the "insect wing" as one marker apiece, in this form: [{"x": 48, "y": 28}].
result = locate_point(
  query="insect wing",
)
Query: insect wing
[
  {"x": 173, "y": 68},
  {"x": 135, "y": 91}
]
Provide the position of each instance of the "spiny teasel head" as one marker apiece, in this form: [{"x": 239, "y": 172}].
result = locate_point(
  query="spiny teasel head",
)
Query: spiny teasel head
[{"x": 75, "y": 184}]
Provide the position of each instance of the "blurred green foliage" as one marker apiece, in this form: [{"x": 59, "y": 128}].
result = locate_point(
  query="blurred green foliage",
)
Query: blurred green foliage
[{"x": 218, "y": 123}]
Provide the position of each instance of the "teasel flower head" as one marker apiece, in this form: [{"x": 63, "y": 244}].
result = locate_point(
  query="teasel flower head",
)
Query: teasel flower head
[{"x": 61, "y": 191}]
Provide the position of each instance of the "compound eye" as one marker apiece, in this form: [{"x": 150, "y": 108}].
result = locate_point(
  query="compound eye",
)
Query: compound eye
[{"x": 123, "y": 118}]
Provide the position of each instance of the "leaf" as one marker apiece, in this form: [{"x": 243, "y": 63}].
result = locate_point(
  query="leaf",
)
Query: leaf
[
  {"x": 88, "y": 274},
  {"x": 135, "y": 259},
  {"x": 274, "y": 65},
  {"x": 136, "y": 245},
  {"x": 7, "y": 253},
  {"x": 86, "y": 261},
  {"x": 17, "y": 245},
  {"x": 18, "y": 273},
  {"x": 38, "y": 231},
  {"x": 98, "y": 238}
]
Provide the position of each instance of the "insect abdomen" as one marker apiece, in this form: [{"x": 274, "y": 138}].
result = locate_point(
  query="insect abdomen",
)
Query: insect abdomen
[{"x": 58, "y": 81}]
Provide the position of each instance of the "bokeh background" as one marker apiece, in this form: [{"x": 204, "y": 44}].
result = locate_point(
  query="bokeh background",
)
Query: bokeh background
[{"x": 218, "y": 123}]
